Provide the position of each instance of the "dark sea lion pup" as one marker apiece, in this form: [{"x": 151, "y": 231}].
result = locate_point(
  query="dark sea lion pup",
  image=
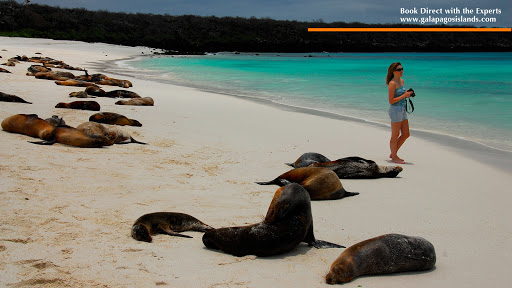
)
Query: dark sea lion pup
[
  {"x": 390, "y": 253},
  {"x": 28, "y": 124},
  {"x": 288, "y": 222},
  {"x": 80, "y": 105},
  {"x": 11, "y": 98},
  {"x": 114, "y": 119},
  {"x": 321, "y": 183},
  {"x": 347, "y": 168},
  {"x": 166, "y": 223},
  {"x": 359, "y": 168}
]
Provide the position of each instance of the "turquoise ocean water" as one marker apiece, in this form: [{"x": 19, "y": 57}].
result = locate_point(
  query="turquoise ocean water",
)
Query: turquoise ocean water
[{"x": 464, "y": 95}]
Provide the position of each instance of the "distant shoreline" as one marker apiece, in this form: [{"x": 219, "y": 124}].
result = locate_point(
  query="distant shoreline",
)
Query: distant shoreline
[{"x": 495, "y": 157}]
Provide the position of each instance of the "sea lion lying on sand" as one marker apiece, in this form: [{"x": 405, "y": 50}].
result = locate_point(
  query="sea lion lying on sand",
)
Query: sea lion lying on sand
[
  {"x": 28, "y": 124},
  {"x": 114, "y": 119},
  {"x": 11, "y": 98},
  {"x": 4, "y": 70},
  {"x": 51, "y": 75},
  {"x": 109, "y": 134},
  {"x": 146, "y": 101},
  {"x": 349, "y": 167},
  {"x": 288, "y": 222},
  {"x": 321, "y": 183},
  {"x": 74, "y": 82},
  {"x": 81, "y": 105},
  {"x": 71, "y": 136},
  {"x": 390, "y": 253},
  {"x": 166, "y": 223}
]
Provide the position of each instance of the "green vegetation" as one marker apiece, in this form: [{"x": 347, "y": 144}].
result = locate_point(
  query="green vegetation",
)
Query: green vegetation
[{"x": 195, "y": 34}]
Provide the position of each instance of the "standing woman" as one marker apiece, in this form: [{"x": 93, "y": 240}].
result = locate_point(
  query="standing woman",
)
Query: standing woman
[{"x": 397, "y": 111}]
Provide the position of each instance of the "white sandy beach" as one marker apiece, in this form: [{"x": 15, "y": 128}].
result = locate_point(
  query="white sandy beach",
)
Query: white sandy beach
[{"x": 66, "y": 213}]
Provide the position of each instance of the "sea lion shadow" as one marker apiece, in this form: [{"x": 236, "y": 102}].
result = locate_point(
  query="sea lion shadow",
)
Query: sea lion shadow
[
  {"x": 398, "y": 274},
  {"x": 301, "y": 249}
]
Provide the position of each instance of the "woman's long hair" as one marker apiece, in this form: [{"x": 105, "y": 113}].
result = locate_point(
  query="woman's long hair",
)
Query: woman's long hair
[{"x": 391, "y": 69}]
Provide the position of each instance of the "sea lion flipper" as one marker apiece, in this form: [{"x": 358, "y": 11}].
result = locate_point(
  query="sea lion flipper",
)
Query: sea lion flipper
[
  {"x": 320, "y": 244},
  {"x": 290, "y": 164},
  {"x": 277, "y": 181},
  {"x": 137, "y": 142},
  {"x": 42, "y": 142},
  {"x": 169, "y": 232}
]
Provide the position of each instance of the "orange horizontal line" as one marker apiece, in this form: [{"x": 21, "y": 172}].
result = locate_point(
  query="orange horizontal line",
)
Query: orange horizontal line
[{"x": 409, "y": 29}]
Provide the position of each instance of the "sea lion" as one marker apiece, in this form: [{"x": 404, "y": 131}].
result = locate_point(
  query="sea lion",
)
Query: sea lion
[
  {"x": 109, "y": 134},
  {"x": 95, "y": 91},
  {"x": 51, "y": 75},
  {"x": 4, "y": 70},
  {"x": 115, "y": 82},
  {"x": 288, "y": 222},
  {"x": 307, "y": 159},
  {"x": 81, "y": 105},
  {"x": 55, "y": 121},
  {"x": 80, "y": 94},
  {"x": 33, "y": 69},
  {"x": 28, "y": 124},
  {"x": 11, "y": 98},
  {"x": 321, "y": 183},
  {"x": 390, "y": 253},
  {"x": 146, "y": 101},
  {"x": 348, "y": 167},
  {"x": 114, "y": 119},
  {"x": 74, "y": 82},
  {"x": 122, "y": 94},
  {"x": 166, "y": 223},
  {"x": 71, "y": 136}
]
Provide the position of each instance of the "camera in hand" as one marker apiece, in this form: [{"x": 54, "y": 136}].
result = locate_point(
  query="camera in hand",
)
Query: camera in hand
[{"x": 412, "y": 94}]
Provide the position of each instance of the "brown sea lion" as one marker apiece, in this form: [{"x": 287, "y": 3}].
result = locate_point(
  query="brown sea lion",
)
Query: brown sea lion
[
  {"x": 52, "y": 75},
  {"x": 166, "y": 223},
  {"x": 349, "y": 167},
  {"x": 114, "y": 119},
  {"x": 4, "y": 70},
  {"x": 288, "y": 222},
  {"x": 74, "y": 82},
  {"x": 122, "y": 94},
  {"x": 95, "y": 91},
  {"x": 33, "y": 69},
  {"x": 146, "y": 101},
  {"x": 28, "y": 124},
  {"x": 110, "y": 134},
  {"x": 390, "y": 253},
  {"x": 115, "y": 82},
  {"x": 81, "y": 105},
  {"x": 71, "y": 136},
  {"x": 11, "y": 98},
  {"x": 80, "y": 94},
  {"x": 321, "y": 183}
]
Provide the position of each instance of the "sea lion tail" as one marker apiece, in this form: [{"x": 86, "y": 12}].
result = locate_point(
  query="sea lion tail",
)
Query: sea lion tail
[{"x": 290, "y": 164}]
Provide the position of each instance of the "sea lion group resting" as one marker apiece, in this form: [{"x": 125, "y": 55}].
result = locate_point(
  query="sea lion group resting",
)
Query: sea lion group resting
[
  {"x": 289, "y": 220},
  {"x": 54, "y": 130}
]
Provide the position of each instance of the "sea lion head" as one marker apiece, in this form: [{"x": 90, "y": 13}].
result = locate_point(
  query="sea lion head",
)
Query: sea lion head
[
  {"x": 339, "y": 273},
  {"x": 390, "y": 171},
  {"x": 141, "y": 233}
]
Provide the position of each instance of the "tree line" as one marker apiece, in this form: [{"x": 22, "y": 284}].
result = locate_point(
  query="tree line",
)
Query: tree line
[{"x": 195, "y": 34}]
